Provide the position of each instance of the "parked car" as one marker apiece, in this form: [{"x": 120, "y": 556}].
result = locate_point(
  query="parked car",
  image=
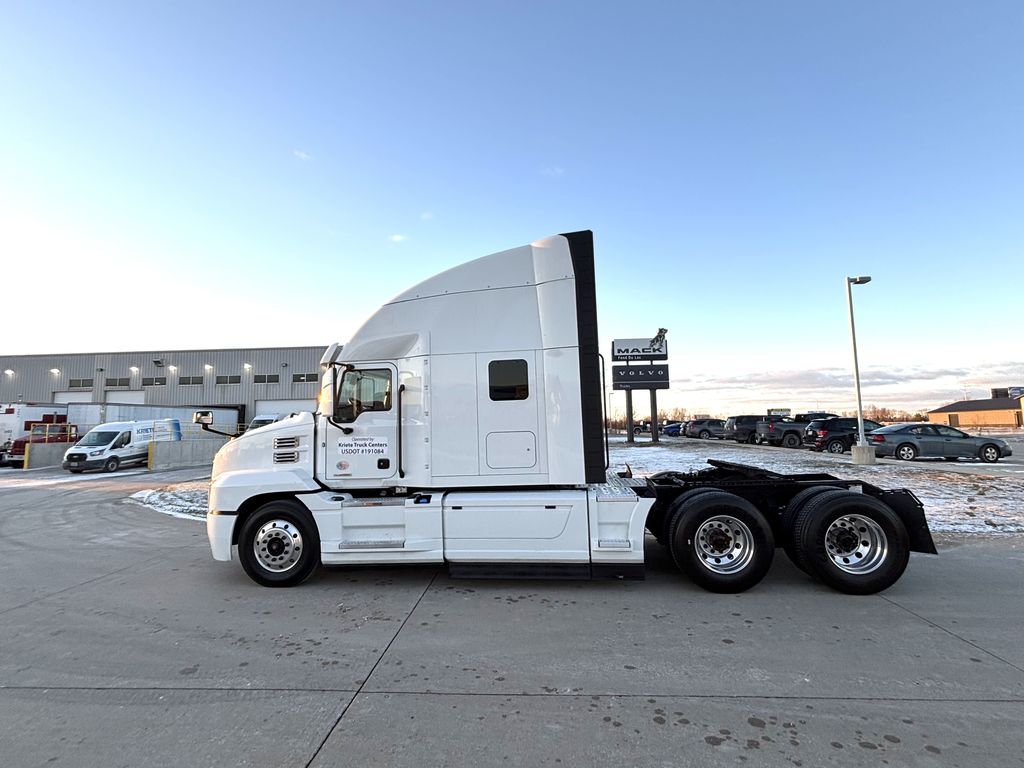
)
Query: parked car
[
  {"x": 743, "y": 429},
  {"x": 909, "y": 441},
  {"x": 835, "y": 435},
  {"x": 672, "y": 429},
  {"x": 706, "y": 428},
  {"x": 788, "y": 431}
]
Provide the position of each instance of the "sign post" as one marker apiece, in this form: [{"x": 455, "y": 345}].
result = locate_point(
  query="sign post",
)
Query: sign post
[{"x": 651, "y": 377}]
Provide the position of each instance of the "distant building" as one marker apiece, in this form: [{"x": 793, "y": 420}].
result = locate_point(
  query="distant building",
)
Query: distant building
[
  {"x": 992, "y": 412},
  {"x": 254, "y": 381}
]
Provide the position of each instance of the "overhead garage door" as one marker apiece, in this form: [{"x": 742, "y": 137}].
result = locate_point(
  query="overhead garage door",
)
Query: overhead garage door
[
  {"x": 72, "y": 397},
  {"x": 274, "y": 407},
  {"x": 123, "y": 396}
]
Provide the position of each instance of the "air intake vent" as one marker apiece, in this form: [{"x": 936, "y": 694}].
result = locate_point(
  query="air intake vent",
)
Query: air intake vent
[
  {"x": 286, "y": 457},
  {"x": 286, "y": 442}
]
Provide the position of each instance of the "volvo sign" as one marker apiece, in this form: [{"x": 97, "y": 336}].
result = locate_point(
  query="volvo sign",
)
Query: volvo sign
[{"x": 640, "y": 376}]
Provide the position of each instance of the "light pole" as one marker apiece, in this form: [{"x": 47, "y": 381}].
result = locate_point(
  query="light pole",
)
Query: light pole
[{"x": 862, "y": 452}]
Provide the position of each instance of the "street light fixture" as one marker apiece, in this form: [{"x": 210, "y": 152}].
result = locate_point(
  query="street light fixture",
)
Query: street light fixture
[{"x": 862, "y": 453}]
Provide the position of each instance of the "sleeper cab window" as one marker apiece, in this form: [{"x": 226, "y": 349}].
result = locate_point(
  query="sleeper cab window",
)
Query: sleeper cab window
[
  {"x": 508, "y": 380},
  {"x": 364, "y": 390}
]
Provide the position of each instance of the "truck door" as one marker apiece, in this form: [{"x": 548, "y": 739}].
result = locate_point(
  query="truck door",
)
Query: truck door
[{"x": 361, "y": 440}]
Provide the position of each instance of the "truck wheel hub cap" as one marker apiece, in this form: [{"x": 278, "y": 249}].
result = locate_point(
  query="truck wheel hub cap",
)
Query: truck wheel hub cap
[
  {"x": 856, "y": 544},
  {"x": 724, "y": 544},
  {"x": 278, "y": 545}
]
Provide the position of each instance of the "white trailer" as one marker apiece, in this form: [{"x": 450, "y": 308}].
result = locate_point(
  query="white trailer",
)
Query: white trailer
[
  {"x": 16, "y": 420},
  {"x": 462, "y": 423}
]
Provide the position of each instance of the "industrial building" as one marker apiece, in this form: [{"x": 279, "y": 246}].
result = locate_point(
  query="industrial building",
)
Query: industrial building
[
  {"x": 1003, "y": 409},
  {"x": 255, "y": 381}
]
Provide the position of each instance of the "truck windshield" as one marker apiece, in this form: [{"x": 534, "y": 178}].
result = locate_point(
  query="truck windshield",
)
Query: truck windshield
[{"x": 98, "y": 438}]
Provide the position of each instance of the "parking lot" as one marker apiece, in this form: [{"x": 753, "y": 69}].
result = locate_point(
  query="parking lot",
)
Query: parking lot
[{"x": 125, "y": 644}]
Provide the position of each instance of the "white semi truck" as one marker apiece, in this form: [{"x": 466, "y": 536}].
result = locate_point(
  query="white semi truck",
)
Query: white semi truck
[{"x": 462, "y": 424}]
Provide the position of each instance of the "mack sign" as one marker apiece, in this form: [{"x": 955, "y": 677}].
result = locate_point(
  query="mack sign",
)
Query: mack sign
[{"x": 639, "y": 349}]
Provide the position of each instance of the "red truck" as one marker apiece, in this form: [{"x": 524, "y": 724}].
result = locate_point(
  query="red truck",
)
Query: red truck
[{"x": 40, "y": 433}]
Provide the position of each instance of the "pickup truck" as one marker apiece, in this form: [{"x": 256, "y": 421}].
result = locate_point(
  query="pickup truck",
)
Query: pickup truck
[{"x": 788, "y": 431}]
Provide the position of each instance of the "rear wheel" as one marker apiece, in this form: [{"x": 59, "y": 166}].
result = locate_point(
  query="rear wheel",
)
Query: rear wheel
[
  {"x": 906, "y": 452},
  {"x": 704, "y": 434},
  {"x": 111, "y": 464},
  {"x": 637, "y": 430},
  {"x": 835, "y": 446},
  {"x": 720, "y": 541},
  {"x": 789, "y": 514},
  {"x": 989, "y": 453},
  {"x": 853, "y": 543},
  {"x": 279, "y": 545},
  {"x": 752, "y": 438},
  {"x": 791, "y": 440}
]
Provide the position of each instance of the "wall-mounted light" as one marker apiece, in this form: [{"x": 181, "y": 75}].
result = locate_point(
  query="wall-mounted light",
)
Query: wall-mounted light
[
  {"x": 172, "y": 368},
  {"x": 55, "y": 371},
  {"x": 8, "y": 372},
  {"x": 134, "y": 369},
  {"x": 208, "y": 367},
  {"x": 247, "y": 366}
]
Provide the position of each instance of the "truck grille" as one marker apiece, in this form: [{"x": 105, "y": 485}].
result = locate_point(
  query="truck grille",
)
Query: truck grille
[
  {"x": 286, "y": 457},
  {"x": 286, "y": 442},
  {"x": 76, "y": 457}
]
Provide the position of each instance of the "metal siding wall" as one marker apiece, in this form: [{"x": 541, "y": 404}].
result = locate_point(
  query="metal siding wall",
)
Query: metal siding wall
[{"x": 34, "y": 383}]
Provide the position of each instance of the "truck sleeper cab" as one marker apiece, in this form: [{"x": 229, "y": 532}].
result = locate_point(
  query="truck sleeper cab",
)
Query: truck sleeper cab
[{"x": 462, "y": 423}]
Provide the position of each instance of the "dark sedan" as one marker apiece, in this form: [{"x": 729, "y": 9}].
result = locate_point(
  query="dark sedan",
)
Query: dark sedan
[{"x": 909, "y": 441}]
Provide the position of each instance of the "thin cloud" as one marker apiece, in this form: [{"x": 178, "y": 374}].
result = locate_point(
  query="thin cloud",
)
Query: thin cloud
[
  {"x": 555, "y": 171},
  {"x": 301, "y": 155},
  {"x": 398, "y": 238},
  {"x": 427, "y": 216}
]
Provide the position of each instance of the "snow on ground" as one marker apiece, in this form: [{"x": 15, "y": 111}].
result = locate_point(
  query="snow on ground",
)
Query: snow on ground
[
  {"x": 955, "y": 502},
  {"x": 185, "y": 500}
]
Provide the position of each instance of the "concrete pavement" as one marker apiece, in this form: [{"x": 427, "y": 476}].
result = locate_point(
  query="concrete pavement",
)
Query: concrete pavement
[{"x": 124, "y": 644}]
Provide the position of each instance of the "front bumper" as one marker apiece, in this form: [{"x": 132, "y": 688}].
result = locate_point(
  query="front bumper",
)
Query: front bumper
[
  {"x": 87, "y": 464},
  {"x": 220, "y": 528}
]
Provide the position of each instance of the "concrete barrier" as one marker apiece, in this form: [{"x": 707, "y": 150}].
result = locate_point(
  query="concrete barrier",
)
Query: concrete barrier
[
  {"x": 44, "y": 454},
  {"x": 184, "y": 453}
]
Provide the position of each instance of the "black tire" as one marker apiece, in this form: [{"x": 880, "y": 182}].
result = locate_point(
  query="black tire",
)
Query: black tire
[
  {"x": 989, "y": 453},
  {"x": 288, "y": 542},
  {"x": 905, "y": 452},
  {"x": 852, "y": 542},
  {"x": 835, "y": 446},
  {"x": 788, "y": 520},
  {"x": 752, "y": 438},
  {"x": 704, "y": 434},
  {"x": 704, "y": 544},
  {"x": 637, "y": 430},
  {"x": 790, "y": 440},
  {"x": 664, "y": 532},
  {"x": 111, "y": 464}
]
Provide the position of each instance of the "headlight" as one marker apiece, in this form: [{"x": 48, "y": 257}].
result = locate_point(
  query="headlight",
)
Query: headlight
[{"x": 96, "y": 453}]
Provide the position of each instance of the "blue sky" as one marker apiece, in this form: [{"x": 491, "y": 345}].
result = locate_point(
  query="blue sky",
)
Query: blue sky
[{"x": 236, "y": 163}]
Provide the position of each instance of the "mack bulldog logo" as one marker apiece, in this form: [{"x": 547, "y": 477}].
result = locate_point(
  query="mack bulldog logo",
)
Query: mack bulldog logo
[{"x": 640, "y": 349}]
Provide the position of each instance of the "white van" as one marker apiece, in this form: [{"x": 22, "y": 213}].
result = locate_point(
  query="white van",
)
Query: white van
[{"x": 108, "y": 446}]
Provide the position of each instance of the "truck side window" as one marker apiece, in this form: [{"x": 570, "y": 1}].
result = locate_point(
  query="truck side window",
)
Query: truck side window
[
  {"x": 508, "y": 380},
  {"x": 363, "y": 390}
]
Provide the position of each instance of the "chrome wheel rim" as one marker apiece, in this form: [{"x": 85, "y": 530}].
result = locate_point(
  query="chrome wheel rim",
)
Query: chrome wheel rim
[
  {"x": 278, "y": 545},
  {"x": 856, "y": 544},
  {"x": 724, "y": 544}
]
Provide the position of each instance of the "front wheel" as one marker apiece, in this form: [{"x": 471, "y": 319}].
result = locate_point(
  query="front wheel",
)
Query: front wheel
[
  {"x": 704, "y": 434},
  {"x": 791, "y": 441},
  {"x": 989, "y": 453},
  {"x": 279, "y": 545},
  {"x": 637, "y": 430},
  {"x": 751, "y": 438},
  {"x": 721, "y": 542},
  {"x": 111, "y": 464},
  {"x": 853, "y": 543},
  {"x": 906, "y": 452},
  {"x": 836, "y": 446}
]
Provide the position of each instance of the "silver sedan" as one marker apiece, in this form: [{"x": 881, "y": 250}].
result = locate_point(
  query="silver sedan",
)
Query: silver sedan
[{"x": 909, "y": 441}]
